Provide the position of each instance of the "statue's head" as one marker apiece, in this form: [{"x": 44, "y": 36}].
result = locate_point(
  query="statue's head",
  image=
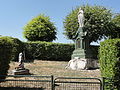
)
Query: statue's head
[{"x": 80, "y": 11}]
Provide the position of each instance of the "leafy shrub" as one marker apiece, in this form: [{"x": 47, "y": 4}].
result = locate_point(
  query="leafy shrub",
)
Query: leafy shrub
[
  {"x": 48, "y": 50},
  {"x": 109, "y": 54},
  {"x": 40, "y": 28},
  {"x": 6, "y": 46},
  {"x": 17, "y": 48}
]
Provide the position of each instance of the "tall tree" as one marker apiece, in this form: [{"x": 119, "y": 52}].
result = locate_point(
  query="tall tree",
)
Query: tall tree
[
  {"x": 115, "y": 33},
  {"x": 40, "y": 28},
  {"x": 97, "y": 22}
]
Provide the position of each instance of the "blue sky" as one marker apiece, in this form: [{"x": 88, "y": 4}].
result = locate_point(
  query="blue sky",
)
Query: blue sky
[{"x": 15, "y": 14}]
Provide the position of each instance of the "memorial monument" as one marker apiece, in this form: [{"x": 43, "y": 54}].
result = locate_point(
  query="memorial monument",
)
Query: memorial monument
[
  {"x": 82, "y": 57},
  {"x": 82, "y": 47}
]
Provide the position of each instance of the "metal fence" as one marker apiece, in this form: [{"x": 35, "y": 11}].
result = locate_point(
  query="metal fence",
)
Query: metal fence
[
  {"x": 31, "y": 82},
  {"x": 62, "y": 83},
  {"x": 26, "y": 82}
]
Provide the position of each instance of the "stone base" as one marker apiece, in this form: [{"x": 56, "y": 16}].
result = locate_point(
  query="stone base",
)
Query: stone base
[
  {"x": 81, "y": 53},
  {"x": 82, "y": 64},
  {"x": 21, "y": 72}
]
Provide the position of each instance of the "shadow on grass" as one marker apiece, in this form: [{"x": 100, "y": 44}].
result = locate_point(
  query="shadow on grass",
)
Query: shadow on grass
[
  {"x": 29, "y": 61},
  {"x": 20, "y": 88},
  {"x": 93, "y": 68}
]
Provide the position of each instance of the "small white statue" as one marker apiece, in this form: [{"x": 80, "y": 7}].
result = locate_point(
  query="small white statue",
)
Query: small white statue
[
  {"x": 81, "y": 18},
  {"x": 21, "y": 63},
  {"x": 20, "y": 57}
]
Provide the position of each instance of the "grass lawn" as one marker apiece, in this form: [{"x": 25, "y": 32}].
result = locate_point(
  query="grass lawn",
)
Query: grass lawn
[{"x": 56, "y": 68}]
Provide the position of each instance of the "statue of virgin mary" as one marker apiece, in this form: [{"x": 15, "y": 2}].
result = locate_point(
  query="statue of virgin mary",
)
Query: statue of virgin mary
[{"x": 81, "y": 18}]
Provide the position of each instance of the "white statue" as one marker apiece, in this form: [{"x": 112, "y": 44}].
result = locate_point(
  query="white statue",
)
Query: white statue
[
  {"x": 21, "y": 63},
  {"x": 81, "y": 18},
  {"x": 20, "y": 57}
]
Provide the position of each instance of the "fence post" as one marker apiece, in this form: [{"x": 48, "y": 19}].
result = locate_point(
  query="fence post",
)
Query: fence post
[
  {"x": 103, "y": 83},
  {"x": 52, "y": 83}
]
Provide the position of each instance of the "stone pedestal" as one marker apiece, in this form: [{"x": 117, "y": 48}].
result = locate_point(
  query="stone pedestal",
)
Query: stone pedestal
[
  {"x": 82, "y": 46},
  {"x": 21, "y": 72},
  {"x": 82, "y": 64},
  {"x": 82, "y": 53}
]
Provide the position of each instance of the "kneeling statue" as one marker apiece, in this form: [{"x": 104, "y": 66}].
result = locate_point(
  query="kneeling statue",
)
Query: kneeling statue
[{"x": 21, "y": 63}]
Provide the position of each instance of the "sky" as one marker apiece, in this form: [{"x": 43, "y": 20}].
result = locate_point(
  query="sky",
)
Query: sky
[{"x": 15, "y": 14}]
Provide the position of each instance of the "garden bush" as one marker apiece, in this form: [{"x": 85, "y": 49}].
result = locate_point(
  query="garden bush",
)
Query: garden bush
[
  {"x": 18, "y": 46},
  {"x": 6, "y": 46},
  {"x": 109, "y": 55},
  {"x": 40, "y": 28},
  {"x": 48, "y": 51}
]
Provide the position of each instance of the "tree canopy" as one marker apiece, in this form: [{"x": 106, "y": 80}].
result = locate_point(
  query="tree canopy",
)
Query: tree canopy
[
  {"x": 97, "y": 24},
  {"x": 40, "y": 28},
  {"x": 116, "y": 27}
]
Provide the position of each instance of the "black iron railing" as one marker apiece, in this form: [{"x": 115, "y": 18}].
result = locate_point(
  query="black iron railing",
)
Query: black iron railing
[
  {"x": 69, "y": 83},
  {"x": 26, "y": 82},
  {"x": 33, "y": 82}
]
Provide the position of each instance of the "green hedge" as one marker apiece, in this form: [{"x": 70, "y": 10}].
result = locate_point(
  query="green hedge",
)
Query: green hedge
[
  {"x": 6, "y": 46},
  {"x": 18, "y": 46},
  {"x": 48, "y": 51},
  {"x": 109, "y": 54}
]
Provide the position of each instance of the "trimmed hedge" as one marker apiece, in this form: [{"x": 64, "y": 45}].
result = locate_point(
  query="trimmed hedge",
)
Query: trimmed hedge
[
  {"x": 48, "y": 51},
  {"x": 109, "y": 54},
  {"x": 18, "y": 47},
  {"x": 6, "y": 46}
]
